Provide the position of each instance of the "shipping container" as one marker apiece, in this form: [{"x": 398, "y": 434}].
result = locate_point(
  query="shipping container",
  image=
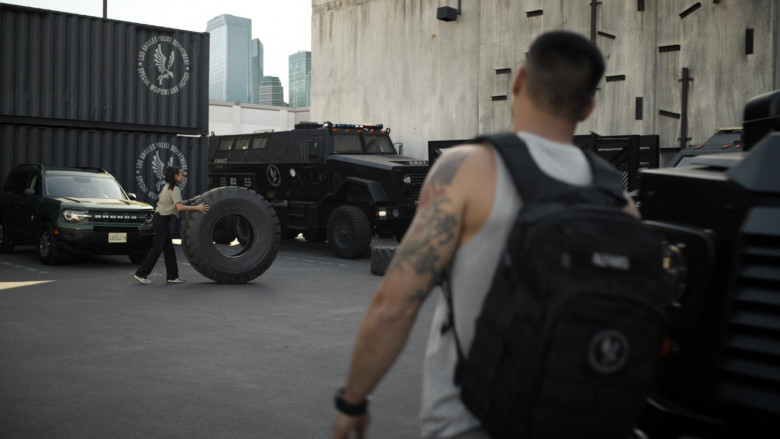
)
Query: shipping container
[
  {"x": 62, "y": 69},
  {"x": 137, "y": 160}
]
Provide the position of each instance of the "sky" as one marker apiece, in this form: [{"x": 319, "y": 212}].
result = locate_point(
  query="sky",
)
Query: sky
[{"x": 283, "y": 26}]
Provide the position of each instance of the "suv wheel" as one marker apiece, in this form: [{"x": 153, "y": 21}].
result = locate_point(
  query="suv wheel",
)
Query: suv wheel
[
  {"x": 48, "y": 252},
  {"x": 5, "y": 242},
  {"x": 349, "y": 232}
]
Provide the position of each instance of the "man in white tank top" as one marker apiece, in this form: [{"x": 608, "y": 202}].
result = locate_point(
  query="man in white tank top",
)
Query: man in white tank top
[{"x": 465, "y": 225}]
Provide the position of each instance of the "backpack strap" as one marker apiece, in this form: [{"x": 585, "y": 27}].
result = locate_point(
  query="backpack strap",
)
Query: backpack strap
[{"x": 533, "y": 184}]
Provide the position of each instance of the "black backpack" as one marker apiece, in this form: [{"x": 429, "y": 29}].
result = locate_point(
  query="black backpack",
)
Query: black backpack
[{"x": 570, "y": 333}]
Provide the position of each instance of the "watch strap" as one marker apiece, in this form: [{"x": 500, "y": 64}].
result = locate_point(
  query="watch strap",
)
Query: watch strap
[{"x": 347, "y": 407}]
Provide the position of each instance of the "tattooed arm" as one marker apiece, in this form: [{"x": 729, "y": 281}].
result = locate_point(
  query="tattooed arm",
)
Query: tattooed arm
[{"x": 427, "y": 248}]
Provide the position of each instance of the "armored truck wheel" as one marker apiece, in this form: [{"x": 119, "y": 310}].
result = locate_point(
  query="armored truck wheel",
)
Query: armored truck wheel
[
  {"x": 226, "y": 263},
  {"x": 381, "y": 256},
  {"x": 349, "y": 232}
]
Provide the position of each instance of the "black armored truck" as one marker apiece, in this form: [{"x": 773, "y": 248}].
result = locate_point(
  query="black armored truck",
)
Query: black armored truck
[{"x": 342, "y": 183}]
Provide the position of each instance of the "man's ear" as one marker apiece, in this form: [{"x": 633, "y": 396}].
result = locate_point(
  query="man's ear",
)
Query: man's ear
[
  {"x": 588, "y": 110},
  {"x": 517, "y": 84}
]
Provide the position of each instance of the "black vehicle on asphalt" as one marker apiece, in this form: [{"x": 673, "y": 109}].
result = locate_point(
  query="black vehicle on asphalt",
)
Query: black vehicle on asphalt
[
  {"x": 72, "y": 210},
  {"x": 336, "y": 182}
]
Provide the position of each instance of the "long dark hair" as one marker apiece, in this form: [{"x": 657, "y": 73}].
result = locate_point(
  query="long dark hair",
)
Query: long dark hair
[{"x": 170, "y": 176}]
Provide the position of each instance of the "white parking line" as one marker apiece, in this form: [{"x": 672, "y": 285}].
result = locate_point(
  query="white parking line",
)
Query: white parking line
[
  {"x": 309, "y": 261},
  {"x": 24, "y": 267}
]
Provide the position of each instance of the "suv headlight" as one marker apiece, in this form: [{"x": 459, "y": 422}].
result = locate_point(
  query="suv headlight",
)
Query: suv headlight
[
  {"x": 149, "y": 217},
  {"x": 76, "y": 216}
]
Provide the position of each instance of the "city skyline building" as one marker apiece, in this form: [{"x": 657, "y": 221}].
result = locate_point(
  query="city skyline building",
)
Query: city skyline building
[
  {"x": 256, "y": 79},
  {"x": 299, "y": 78},
  {"x": 271, "y": 92},
  {"x": 230, "y": 56}
]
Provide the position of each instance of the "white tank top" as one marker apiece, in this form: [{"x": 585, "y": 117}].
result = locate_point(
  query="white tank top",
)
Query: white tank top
[{"x": 442, "y": 413}]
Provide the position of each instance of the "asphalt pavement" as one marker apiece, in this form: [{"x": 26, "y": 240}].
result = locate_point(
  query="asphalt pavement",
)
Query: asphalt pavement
[{"x": 88, "y": 352}]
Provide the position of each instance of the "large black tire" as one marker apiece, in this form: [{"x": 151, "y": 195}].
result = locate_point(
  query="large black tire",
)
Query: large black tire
[
  {"x": 48, "y": 251},
  {"x": 315, "y": 235},
  {"x": 349, "y": 232},
  {"x": 380, "y": 259},
  {"x": 262, "y": 241},
  {"x": 6, "y": 245}
]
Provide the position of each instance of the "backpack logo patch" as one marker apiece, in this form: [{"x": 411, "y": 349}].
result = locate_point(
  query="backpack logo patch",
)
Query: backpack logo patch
[{"x": 608, "y": 351}]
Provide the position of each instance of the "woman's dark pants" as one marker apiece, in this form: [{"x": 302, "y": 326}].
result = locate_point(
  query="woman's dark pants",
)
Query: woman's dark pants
[{"x": 162, "y": 244}]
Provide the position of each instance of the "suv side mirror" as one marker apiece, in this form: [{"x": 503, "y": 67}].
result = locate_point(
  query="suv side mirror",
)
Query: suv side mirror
[
  {"x": 29, "y": 192},
  {"x": 399, "y": 147}
]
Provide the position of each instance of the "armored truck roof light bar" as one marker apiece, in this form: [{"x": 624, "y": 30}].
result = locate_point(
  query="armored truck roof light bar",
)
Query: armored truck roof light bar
[{"x": 348, "y": 127}]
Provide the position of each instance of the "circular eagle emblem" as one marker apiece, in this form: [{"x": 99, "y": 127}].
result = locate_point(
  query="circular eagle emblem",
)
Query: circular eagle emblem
[
  {"x": 273, "y": 175},
  {"x": 608, "y": 351},
  {"x": 159, "y": 156},
  {"x": 167, "y": 70}
]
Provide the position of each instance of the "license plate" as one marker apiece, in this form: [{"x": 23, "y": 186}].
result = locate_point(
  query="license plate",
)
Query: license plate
[{"x": 117, "y": 237}]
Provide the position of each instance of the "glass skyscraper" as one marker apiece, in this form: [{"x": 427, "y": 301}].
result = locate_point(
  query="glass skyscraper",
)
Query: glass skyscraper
[
  {"x": 257, "y": 70},
  {"x": 229, "y": 61},
  {"x": 271, "y": 92},
  {"x": 300, "y": 79}
]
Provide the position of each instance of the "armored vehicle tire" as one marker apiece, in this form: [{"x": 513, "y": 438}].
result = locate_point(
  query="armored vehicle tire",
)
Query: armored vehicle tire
[
  {"x": 260, "y": 249},
  {"x": 349, "y": 232},
  {"x": 380, "y": 259},
  {"x": 315, "y": 235},
  {"x": 6, "y": 246},
  {"x": 48, "y": 252}
]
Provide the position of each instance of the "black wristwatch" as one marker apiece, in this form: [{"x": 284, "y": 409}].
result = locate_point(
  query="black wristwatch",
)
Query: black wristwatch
[{"x": 347, "y": 407}]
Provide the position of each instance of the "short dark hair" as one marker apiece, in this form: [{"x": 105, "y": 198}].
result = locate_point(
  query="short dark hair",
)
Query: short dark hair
[
  {"x": 563, "y": 70},
  {"x": 170, "y": 176}
]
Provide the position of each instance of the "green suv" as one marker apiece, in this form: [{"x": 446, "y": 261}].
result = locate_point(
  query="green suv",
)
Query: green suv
[{"x": 72, "y": 210}]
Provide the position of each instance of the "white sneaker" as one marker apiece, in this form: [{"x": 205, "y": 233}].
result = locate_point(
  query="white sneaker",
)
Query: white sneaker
[
  {"x": 143, "y": 280},
  {"x": 178, "y": 280}
]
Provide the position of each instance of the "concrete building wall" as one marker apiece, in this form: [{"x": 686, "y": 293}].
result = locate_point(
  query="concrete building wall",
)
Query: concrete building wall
[
  {"x": 236, "y": 118},
  {"x": 393, "y": 62}
]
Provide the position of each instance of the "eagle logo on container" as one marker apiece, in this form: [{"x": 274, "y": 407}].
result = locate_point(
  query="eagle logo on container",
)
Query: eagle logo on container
[
  {"x": 158, "y": 165},
  {"x": 163, "y": 64},
  {"x": 171, "y": 75},
  {"x": 161, "y": 155}
]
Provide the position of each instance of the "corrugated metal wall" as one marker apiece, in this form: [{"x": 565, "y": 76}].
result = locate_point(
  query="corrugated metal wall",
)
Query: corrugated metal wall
[
  {"x": 89, "y": 72},
  {"x": 137, "y": 160},
  {"x": 86, "y": 91}
]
